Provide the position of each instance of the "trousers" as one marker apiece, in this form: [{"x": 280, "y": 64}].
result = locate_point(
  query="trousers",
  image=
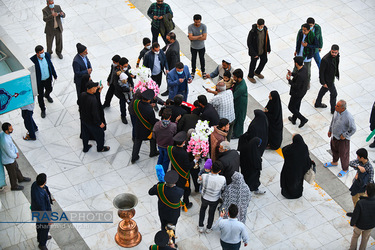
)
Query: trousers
[
  {"x": 155, "y": 35},
  {"x": 59, "y": 41},
  {"x": 228, "y": 246},
  {"x": 211, "y": 212},
  {"x": 14, "y": 174},
  {"x": 163, "y": 158},
  {"x": 109, "y": 95},
  {"x": 47, "y": 86},
  {"x": 157, "y": 78},
  {"x": 365, "y": 236},
  {"x": 194, "y": 53},
  {"x": 263, "y": 60},
  {"x": 355, "y": 198},
  {"x": 341, "y": 150},
  {"x": 137, "y": 146},
  {"x": 332, "y": 98},
  {"x": 42, "y": 230},
  {"x": 29, "y": 122},
  {"x": 294, "y": 107}
]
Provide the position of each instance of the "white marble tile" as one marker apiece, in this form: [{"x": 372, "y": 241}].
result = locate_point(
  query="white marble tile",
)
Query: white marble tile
[
  {"x": 67, "y": 197},
  {"x": 326, "y": 233},
  {"x": 58, "y": 182},
  {"x": 306, "y": 241},
  {"x": 257, "y": 220},
  {"x": 270, "y": 235},
  {"x": 110, "y": 181},
  {"x": 11, "y": 236},
  {"x": 78, "y": 175},
  {"x": 311, "y": 218}
]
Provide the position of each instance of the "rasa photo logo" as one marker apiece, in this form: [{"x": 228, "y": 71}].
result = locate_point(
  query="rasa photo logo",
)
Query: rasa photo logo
[{"x": 72, "y": 217}]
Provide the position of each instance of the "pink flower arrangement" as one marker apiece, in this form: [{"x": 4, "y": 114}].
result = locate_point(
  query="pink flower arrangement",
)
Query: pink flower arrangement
[
  {"x": 145, "y": 82},
  {"x": 198, "y": 143}
]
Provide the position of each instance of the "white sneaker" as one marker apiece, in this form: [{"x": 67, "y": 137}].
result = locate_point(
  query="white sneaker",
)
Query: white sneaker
[
  {"x": 208, "y": 230},
  {"x": 259, "y": 192},
  {"x": 200, "y": 229}
]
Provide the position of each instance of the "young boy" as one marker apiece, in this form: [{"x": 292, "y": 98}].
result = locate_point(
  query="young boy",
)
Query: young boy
[
  {"x": 227, "y": 80},
  {"x": 126, "y": 89},
  {"x": 205, "y": 170},
  {"x": 111, "y": 89},
  {"x": 147, "y": 47}
]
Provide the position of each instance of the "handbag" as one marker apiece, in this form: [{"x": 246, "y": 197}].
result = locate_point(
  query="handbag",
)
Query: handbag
[{"x": 310, "y": 174}]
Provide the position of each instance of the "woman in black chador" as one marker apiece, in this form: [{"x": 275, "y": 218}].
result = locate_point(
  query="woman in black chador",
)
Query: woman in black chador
[
  {"x": 296, "y": 163},
  {"x": 274, "y": 114},
  {"x": 251, "y": 162}
]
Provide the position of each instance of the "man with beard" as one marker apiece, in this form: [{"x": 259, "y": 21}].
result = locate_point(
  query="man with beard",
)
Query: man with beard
[{"x": 172, "y": 53}]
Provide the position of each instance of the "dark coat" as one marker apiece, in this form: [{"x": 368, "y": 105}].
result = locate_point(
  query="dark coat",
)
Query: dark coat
[
  {"x": 172, "y": 54},
  {"x": 183, "y": 160},
  {"x": 40, "y": 198},
  {"x": 79, "y": 68},
  {"x": 89, "y": 109},
  {"x": 364, "y": 213},
  {"x": 173, "y": 194},
  {"x": 372, "y": 118},
  {"x": 210, "y": 114},
  {"x": 328, "y": 70},
  {"x": 257, "y": 128},
  {"x": 173, "y": 81},
  {"x": 299, "y": 83},
  {"x": 275, "y": 121},
  {"x": 231, "y": 163},
  {"x": 148, "y": 60},
  {"x": 187, "y": 122},
  {"x": 48, "y": 18},
  {"x": 176, "y": 111},
  {"x": 148, "y": 114},
  {"x": 252, "y": 41},
  {"x": 250, "y": 160},
  {"x": 312, "y": 44},
  {"x": 51, "y": 69},
  {"x": 296, "y": 163}
]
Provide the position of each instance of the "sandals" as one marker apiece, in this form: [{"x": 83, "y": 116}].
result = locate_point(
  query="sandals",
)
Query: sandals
[
  {"x": 342, "y": 173},
  {"x": 105, "y": 149},
  {"x": 329, "y": 164}
]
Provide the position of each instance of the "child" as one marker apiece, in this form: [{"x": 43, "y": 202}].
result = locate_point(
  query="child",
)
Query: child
[
  {"x": 126, "y": 89},
  {"x": 227, "y": 79},
  {"x": 205, "y": 170},
  {"x": 147, "y": 47}
]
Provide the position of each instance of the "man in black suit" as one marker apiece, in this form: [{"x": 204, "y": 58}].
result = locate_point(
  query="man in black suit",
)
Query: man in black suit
[
  {"x": 298, "y": 89},
  {"x": 81, "y": 65},
  {"x": 169, "y": 204},
  {"x": 181, "y": 163},
  {"x": 172, "y": 52},
  {"x": 145, "y": 120},
  {"x": 44, "y": 71},
  {"x": 156, "y": 68},
  {"x": 52, "y": 15},
  {"x": 209, "y": 113}
]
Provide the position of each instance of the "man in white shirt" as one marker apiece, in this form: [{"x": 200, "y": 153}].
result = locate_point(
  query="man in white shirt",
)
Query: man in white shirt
[{"x": 212, "y": 186}]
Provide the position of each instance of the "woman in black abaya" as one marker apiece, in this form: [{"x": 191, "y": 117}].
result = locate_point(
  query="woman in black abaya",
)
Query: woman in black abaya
[
  {"x": 274, "y": 114},
  {"x": 296, "y": 163},
  {"x": 251, "y": 161}
]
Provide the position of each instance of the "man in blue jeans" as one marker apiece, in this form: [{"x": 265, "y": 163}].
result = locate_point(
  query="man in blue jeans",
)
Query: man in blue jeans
[
  {"x": 318, "y": 34},
  {"x": 232, "y": 230}
]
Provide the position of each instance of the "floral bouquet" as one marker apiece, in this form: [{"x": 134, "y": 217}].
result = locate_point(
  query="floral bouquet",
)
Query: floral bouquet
[
  {"x": 144, "y": 80},
  {"x": 198, "y": 143}
]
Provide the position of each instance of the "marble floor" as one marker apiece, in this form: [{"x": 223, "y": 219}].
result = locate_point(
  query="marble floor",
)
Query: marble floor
[{"x": 90, "y": 181}]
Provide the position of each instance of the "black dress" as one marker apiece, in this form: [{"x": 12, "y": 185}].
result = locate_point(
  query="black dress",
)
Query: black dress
[
  {"x": 275, "y": 121},
  {"x": 257, "y": 128},
  {"x": 296, "y": 163},
  {"x": 250, "y": 161}
]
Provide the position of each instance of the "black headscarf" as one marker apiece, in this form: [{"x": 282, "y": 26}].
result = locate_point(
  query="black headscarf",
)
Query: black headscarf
[
  {"x": 296, "y": 163},
  {"x": 259, "y": 128},
  {"x": 275, "y": 120},
  {"x": 85, "y": 79}
]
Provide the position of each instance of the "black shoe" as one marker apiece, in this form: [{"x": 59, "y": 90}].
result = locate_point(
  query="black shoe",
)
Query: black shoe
[
  {"x": 154, "y": 154},
  {"x": 18, "y": 188},
  {"x": 189, "y": 205},
  {"x": 135, "y": 159},
  {"x": 204, "y": 76},
  {"x": 291, "y": 120},
  {"x": 349, "y": 214},
  {"x": 105, "y": 149},
  {"x": 87, "y": 149},
  {"x": 156, "y": 108},
  {"x": 26, "y": 179},
  {"x": 49, "y": 99},
  {"x": 60, "y": 56},
  {"x": 322, "y": 105},
  {"x": 36, "y": 130},
  {"x": 49, "y": 237},
  {"x": 332, "y": 112},
  {"x": 192, "y": 75},
  {"x": 43, "y": 114},
  {"x": 165, "y": 93},
  {"x": 123, "y": 119},
  {"x": 303, "y": 123},
  {"x": 50, "y": 52},
  {"x": 105, "y": 105},
  {"x": 372, "y": 145}
]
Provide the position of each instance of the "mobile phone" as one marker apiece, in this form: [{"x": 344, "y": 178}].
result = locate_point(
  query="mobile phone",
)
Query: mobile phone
[
  {"x": 204, "y": 87},
  {"x": 100, "y": 83}
]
